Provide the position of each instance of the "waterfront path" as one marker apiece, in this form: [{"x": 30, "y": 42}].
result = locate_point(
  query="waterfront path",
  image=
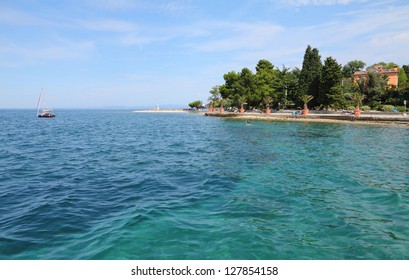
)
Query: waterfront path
[{"x": 370, "y": 117}]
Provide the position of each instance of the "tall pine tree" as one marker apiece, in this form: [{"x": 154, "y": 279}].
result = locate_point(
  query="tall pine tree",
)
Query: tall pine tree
[
  {"x": 264, "y": 80},
  {"x": 331, "y": 90},
  {"x": 310, "y": 76}
]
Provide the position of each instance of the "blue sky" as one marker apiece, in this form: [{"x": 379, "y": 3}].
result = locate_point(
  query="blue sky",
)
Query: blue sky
[{"x": 103, "y": 53}]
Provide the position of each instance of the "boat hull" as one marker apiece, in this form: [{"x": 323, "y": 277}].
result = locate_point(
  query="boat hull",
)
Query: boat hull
[{"x": 46, "y": 115}]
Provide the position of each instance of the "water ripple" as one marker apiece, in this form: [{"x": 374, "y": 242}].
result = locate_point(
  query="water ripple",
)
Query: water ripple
[{"x": 120, "y": 185}]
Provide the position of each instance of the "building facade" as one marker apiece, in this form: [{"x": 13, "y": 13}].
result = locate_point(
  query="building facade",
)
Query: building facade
[{"x": 392, "y": 74}]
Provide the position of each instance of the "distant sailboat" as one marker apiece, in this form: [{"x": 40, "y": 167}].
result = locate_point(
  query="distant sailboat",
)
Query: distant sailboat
[{"x": 45, "y": 113}]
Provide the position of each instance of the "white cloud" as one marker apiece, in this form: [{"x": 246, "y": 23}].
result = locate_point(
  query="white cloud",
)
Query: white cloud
[
  {"x": 227, "y": 36},
  {"x": 372, "y": 33}
]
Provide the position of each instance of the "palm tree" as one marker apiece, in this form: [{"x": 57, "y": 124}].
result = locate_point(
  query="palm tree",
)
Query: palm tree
[
  {"x": 306, "y": 98},
  {"x": 242, "y": 100},
  {"x": 267, "y": 101},
  {"x": 222, "y": 102},
  {"x": 357, "y": 98}
]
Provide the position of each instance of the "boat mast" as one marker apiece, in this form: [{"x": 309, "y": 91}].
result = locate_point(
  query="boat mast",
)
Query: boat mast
[{"x": 39, "y": 101}]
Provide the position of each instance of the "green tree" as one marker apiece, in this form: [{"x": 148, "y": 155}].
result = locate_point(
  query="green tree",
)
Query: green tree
[
  {"x": 357, "y": 98},
  {"x": 305, "y": 99},
  {"x": 385, "y": 65},
  {"x": 215, "y": 96},
  {"x": 239, "y": 85},
  {"x": 231, "y": 86},
  {"x": 263, "y": 81},
  {"x": 267, "y": 101},
  {"x": 351, "y": 67},
  {"x": 215, "y": 92},
  {"x": 196, "y": 104},
  {"x": 247, "y": 86},
  {"x": 241, "y": 100},
  {"x": 402, "y": 78},
  {"x": 310, "y": 75},
  {"x": 375, "y": 87},
  {"x": 291, "y": 88},
  {"x": 330, "y": 93},
  {"x": 285, "y": 85},
  {"x": 406, "y": 69}
]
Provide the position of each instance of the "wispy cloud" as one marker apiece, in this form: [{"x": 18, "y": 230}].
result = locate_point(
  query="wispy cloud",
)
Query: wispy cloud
[
  {"x": 228, "y": 36},
  {"x": 17, "y": 17},
  {"x": 174, "y": 6},
  {"x": 114, "y": 4},
  {"x": 301, "y": 3},
  {"x": 139, "y": 39},
  {"x": 108, "y": 25},
  {"x": 16, "y": 55},
  {"x": 370, "y": 33},
  {"x": 166, "y": 6}
]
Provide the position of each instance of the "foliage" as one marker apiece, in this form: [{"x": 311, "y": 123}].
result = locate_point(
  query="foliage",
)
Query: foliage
[
  {"x": 387, "y": 108},
  {"x": 196, "y": 104},
  {"x": 286, "y": 85},
  {"x": 375, "y": 105},
  {"x": 402, "y": 78},
  {"x": 406, "y": 69},
  {"x": 357, "y": 98},
  {"x": 247, "y": 85},
  {"x": 401, "y": 108},
  {"x": 267, "y": 101},
  {"x": 329, "y": 84},
  {"x": 385, "y": 65},
  {"x": 306, "y": 98},
  {"x": 241, "y": 100},
  {"x": 264, "y": 80},
  {"x": 215, "y": 93},
  {"x": 375, "y": 86},
  {"x": 231, "y": 86},
  {"x": 215, "y": 96},
  {"x": 351, "y": 67},
  {"x": 336, "y": 98},
  {"x": 310, "y": 75},
  {"x": 330, "y": 89},
  {"x": 366, "y": 108}
]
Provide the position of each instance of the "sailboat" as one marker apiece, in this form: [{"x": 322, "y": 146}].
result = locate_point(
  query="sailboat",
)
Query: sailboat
[{"x": 45, "y": 113}]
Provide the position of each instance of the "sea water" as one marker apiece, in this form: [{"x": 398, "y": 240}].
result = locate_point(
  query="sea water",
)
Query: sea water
[{"x": 123, "y": 185}]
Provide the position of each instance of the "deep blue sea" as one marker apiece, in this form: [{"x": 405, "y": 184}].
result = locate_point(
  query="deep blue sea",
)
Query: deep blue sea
[{"x": 106, "y": 184}]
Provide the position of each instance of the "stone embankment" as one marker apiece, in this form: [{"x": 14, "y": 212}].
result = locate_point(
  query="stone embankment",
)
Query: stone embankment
[{"x": 371, "y": 117}]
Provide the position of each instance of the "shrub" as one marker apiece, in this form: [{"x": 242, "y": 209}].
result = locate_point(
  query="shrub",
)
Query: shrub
[
  {"x": 387, "y": 108},
  {"x": 351, "y": 107},
  {"x": 366, "y": 108},
  {"x": 393, "y": 101},
  {"x": 375, "y": 105},
  {"x": 401, "y": 109}
]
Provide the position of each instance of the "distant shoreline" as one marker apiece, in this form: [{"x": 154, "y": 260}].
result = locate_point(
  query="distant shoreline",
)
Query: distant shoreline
[
  {"x": 366, "y": 118},
  {"x": 161, "y": 111}
]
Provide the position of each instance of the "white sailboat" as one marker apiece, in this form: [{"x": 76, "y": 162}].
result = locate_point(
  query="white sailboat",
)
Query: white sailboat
[{"x": 45, "y": 113}]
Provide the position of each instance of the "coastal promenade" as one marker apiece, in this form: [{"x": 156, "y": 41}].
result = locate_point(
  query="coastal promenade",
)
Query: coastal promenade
[{"x": 368, "y": 117}]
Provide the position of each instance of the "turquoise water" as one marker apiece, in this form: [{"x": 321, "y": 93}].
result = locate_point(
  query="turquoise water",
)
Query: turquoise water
[{"x": 124, "y": 185}]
